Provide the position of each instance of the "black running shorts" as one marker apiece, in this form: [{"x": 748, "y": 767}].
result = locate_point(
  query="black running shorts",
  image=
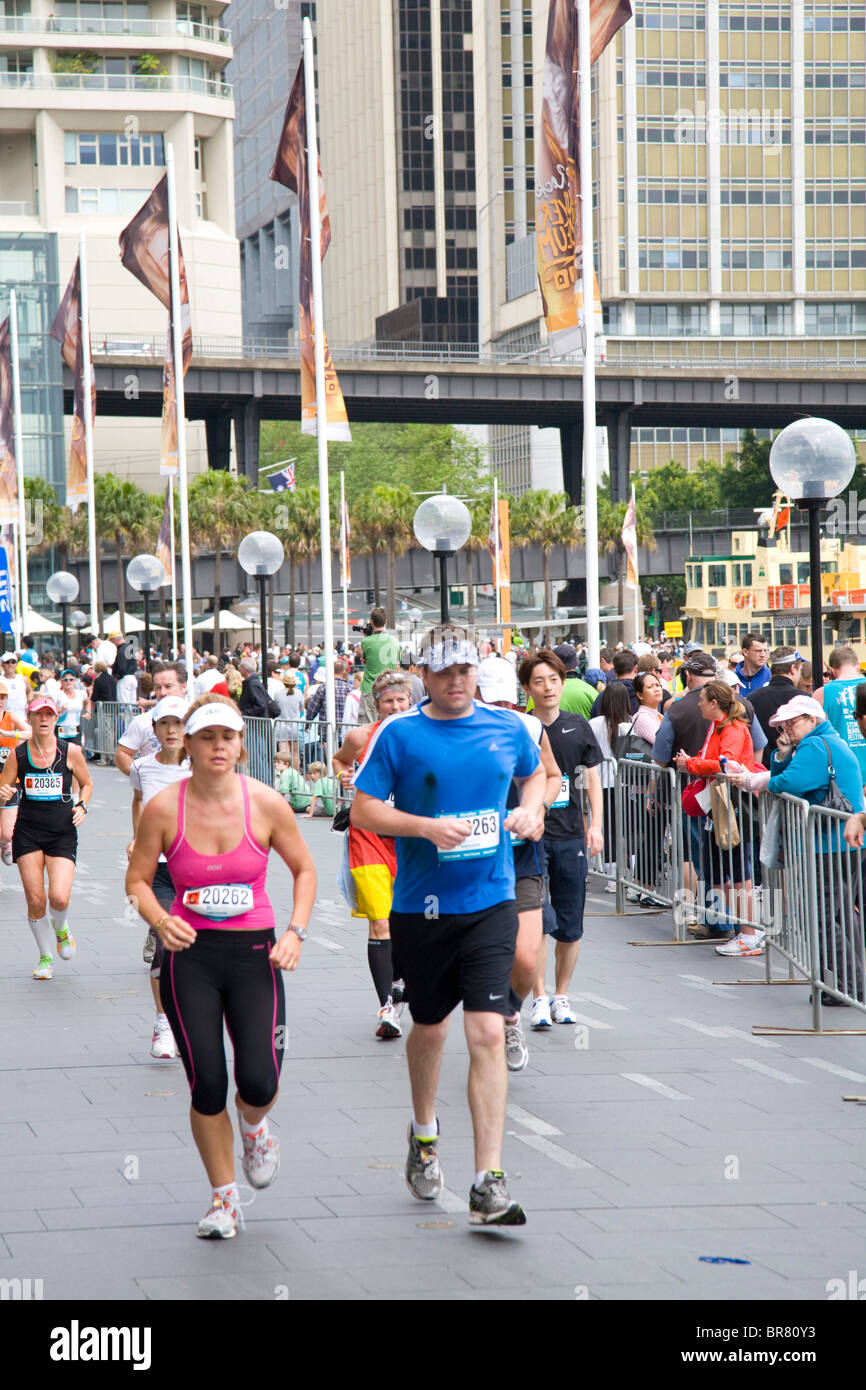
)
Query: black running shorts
[
  {"x": 62, "y": 845},
  {"x": 454, "y": 959}
]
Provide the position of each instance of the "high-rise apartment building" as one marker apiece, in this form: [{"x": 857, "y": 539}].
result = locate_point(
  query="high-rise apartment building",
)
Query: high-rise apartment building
[{"x": 91, "y": 94}]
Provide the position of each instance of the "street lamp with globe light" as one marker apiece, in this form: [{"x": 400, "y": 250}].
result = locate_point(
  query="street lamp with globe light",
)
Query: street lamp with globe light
[
  {"x": 442, "y": 525},
  {"x": 261, "y": 554},
  {"x": 62, "y": 588},
  {"x": 811, "y": 461},
  {"x": 145, "y": 574},
  {"x": 78, "y": 619}
]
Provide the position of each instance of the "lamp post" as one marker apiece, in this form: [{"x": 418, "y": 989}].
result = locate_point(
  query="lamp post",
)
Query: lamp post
[
  {"x": 442, "y": 525},
  {"x": 145, "y": 574},
  {"x": 812, "y": 461},
  {"x": 62, "y": 588},
  {"x": 261, "y": 554},
  {"x": 78, "y": 619}
]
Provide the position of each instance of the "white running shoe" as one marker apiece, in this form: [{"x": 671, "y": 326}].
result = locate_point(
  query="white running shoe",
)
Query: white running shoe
[
  {"x": 220, "y": 1221},
  {"x": 540, "y": 1016},
  {"x": 743, "y": 945},
  {"x": 65, "y": 942},
  {"x": 45, "y": 968},
  {"x": 610, "y": 886},
  {"x": 149, "y": 949},
  {"x": 389, "y": 1022},
  {"x": 516, "y": 1051},
  {"x": 261, "y": 1160},
  {"x": 560, "y": 1010},
  {"x": 163, "y": 1044},
  {"x": 6, "y": 853}
]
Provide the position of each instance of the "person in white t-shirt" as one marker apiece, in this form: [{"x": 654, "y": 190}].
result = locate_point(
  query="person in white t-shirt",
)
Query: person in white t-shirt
[
  {"x": 138, "y": 737},
  {"x": 17, "y": 686},
  {"x": 74, "y": 704},
  {"x": 149, "y": 776}
]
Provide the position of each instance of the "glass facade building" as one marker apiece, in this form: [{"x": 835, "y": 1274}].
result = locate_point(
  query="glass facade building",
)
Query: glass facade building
[{"x": 28, "y": 265}]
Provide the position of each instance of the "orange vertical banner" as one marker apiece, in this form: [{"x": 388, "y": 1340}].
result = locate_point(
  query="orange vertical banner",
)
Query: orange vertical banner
[{"x": 505, "y": 561}]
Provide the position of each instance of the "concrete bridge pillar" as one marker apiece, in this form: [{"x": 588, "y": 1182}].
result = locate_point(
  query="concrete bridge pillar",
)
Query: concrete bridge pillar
[{"x": 247, "y": 421}]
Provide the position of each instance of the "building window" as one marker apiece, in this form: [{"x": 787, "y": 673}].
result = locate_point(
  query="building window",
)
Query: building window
[
  {"x": 107, "y": 149},
  {"x": 717, "y": 576}
]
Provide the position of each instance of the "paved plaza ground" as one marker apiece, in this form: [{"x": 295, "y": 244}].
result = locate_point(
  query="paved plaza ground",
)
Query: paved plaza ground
[{"x": 658, "y": 1132}]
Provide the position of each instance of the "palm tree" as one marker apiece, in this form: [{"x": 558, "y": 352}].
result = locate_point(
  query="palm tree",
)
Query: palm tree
[
  {"x": 48, "y": 523},
  {"x": 367, "y": 535},
  {"x": 308, "y": 532},
  {"x": 221, "y": 512},
  {"x": 611, "y": 516},
  {"x": 394, "y": 507},
  {"x": 545, "y": 519}
]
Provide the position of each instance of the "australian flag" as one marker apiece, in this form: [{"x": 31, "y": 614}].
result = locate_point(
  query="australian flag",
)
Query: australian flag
[{"x": 284, "y": 480}]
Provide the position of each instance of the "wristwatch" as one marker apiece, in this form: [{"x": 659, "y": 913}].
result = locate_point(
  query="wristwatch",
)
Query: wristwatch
[
  {"x": 300, "y": 932},
  {"x": 83, "y": 805}
]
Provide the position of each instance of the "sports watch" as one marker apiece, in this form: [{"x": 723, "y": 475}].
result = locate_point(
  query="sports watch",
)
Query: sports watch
[{"x": 300, "y": 932}]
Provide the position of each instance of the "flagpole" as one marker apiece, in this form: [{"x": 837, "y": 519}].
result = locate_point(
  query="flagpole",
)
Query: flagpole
[
  {"x": 177, "y": 344},
  {"x": 344, "y": 561},
  {"x": 637, "y": 632},
  {"x": 88, "y": 435},
  {"x": 590, "y": 464},
  {"x": 19, "y": 461},
  {"x": 321, "y": 403},
  {"x": 496, "y": 549},
  {"x": 173, "y": 567}
]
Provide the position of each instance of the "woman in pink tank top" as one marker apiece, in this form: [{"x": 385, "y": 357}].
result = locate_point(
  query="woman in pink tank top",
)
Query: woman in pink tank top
[{"x": 221, "y": 954}]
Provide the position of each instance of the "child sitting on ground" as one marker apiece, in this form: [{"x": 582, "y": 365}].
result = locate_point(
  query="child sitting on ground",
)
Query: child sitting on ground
[
  {"x": 291, "y": 784},
  {"x": 324, "y": 790}
]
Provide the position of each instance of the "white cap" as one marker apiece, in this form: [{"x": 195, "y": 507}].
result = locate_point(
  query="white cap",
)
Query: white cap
[
  {"x": 801, "y": 704},
  {"x": 169, "y": 707},
  {"x": 215, "y": 713},
  {"x": 449, "y": 652},
  {"x": 497, "y": 680}
]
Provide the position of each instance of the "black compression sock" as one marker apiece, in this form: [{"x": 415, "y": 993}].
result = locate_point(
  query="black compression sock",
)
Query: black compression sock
[
  {"x": 514, "y": 1001},
  {"x": 379, "y": 961}
]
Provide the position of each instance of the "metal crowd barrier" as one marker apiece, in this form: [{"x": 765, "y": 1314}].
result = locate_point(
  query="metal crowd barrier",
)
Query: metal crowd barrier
[
  {"x": 837, "y": 939},
  {"x": 303, "y": 742},
  {"x": 648, "y": 836}
]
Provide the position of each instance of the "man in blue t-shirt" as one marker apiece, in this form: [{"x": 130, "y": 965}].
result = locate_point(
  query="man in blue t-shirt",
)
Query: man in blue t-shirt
[{"x": 449, "y": 763}]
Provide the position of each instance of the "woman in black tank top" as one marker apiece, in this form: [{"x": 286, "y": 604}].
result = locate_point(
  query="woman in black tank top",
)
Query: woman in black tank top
[{"x": 46, "y": 830}]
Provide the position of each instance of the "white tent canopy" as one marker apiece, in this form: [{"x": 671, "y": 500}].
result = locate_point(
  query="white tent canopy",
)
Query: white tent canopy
[
  {"x": 228, "y": 622},
  {"x": 130, "y": 623},
  {"x": 34, "y": 622}
]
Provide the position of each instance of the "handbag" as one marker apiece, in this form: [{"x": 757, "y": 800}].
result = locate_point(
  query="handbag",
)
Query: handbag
[
  {"x": 726, "y": 831},
  {"x": 771, "y": 853},
  {"x": 341, "y": 817},
  {"x": 695, "y": 795},
  {"x": 834, "y": 800},
  {"x": 632, "y": 747}
]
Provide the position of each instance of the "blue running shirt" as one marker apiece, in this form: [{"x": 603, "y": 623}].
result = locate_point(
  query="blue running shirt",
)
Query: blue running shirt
[{"x": 453, "y": 767}]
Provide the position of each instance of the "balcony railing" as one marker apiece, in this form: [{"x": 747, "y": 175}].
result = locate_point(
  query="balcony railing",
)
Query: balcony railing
[
  {"x": 116, "y": 82},
  {"x": 148, "y": 28},
  {"x": 631, "y": 354}
]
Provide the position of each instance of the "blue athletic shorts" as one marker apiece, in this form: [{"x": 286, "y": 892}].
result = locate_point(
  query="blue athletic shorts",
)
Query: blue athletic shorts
[{"x": 566, "y": 869}]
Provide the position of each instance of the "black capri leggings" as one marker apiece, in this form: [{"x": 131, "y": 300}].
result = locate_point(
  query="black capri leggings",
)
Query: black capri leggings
[{"x": 226, "y": 975}]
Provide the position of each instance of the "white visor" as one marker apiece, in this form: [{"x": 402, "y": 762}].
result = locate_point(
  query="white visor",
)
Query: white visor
[
  {"x": 216, "y": 713},
  {"x": 169, "y": 707}
]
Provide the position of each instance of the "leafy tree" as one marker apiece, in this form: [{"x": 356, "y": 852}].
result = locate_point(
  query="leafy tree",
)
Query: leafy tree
[
  {"x": 672, "y": 488},
  {"x": 745, "y": 477},
  {"x": 395, "y": 508}
]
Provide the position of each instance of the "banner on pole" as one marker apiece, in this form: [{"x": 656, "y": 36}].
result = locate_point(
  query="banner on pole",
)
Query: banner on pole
[
  {"x": 8, "y": 471},
  {"x": 290, "y": 169},
  {"x": 557, "y": 196},
  {"x": 629, "y": 541},
  {"x": 67, "y": 330},
  {"x": 144, "y": 253},
  {"x": 284, "y": 481},
  {"x": 499, "y": 542},
  {"x": 5, "y": 593},
  {"x": 345, "y": 558},
  {"x": 163, "y": 544}
]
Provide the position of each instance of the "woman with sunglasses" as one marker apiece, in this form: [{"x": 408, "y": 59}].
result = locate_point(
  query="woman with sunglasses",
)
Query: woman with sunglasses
[
  {"x": 45, "y": 837},
  {"x": 74, "y": 705},
  {"x": 216, "y": 829},
  {"x": 12, "y": 729}
]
